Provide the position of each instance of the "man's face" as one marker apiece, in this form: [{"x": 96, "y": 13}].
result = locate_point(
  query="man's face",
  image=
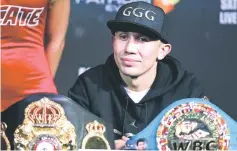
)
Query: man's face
[
  {"x": 141, "y": 146},
  {"x": 135, "y": 53}
]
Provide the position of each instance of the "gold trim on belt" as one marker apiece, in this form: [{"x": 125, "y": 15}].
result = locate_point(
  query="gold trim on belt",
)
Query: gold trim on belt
[
  {"x": 4, "y": 137},
  {"x": 45, "y": 127},
  {"x": 95, "y": 138}
]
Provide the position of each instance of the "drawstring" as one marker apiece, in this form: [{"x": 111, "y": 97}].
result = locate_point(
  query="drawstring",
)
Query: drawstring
[
  {"x": 125, "y": 114},
  {"x": 146, "y": 114}
]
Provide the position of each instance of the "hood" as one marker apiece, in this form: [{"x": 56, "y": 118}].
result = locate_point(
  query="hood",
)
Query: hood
[{"x": 169, "y": 74}]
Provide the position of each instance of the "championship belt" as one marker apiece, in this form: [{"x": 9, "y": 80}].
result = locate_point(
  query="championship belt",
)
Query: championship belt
[
  {"x": 55, "y": 122},
  {"x": 189, "y": 124},
  {"x": 45, "y": 127}
]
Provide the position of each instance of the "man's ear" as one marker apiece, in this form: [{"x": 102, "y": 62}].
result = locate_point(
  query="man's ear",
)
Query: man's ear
[{"x": 164, "y": 50}]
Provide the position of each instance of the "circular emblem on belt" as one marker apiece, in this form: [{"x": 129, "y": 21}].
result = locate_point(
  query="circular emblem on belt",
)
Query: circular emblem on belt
[
  {"x": 46, "y": 143},
  {"x": 192, "y": 126}
]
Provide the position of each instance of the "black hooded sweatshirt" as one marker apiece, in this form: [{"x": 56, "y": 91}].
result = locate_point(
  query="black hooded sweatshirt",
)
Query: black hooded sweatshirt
[{"x": 100, "y": 90}]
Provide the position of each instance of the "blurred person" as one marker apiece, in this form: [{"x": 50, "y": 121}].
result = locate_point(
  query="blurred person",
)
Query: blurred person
[
  {"x": 141, "y": 144},
  {"x": 32, "y": 41}
]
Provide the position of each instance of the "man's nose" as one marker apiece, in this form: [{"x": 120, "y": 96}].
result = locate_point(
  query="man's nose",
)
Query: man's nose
[{"x": 131, "y": 46}]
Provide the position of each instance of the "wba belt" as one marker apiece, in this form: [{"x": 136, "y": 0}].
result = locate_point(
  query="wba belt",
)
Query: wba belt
[
  {"x": 53, "y": 122},
  {"x": 188, "y": 124}
]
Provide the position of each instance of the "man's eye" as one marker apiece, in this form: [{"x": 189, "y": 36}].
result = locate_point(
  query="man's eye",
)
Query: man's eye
[
  {"x": 123, "y": 36},
  {"x": 144, "y": 39}
]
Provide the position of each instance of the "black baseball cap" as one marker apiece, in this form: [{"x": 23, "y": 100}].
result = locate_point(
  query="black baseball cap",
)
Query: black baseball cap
[{"x": 141, "y": 17}]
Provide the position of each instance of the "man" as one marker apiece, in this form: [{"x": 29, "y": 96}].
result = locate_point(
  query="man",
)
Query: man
[
  {"x": 141, "y": 144},
  {"x": 139, "y": 80}
]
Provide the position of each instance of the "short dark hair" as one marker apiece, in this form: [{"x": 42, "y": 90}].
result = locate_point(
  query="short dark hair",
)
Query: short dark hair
[{"x": 141, "y": 140}]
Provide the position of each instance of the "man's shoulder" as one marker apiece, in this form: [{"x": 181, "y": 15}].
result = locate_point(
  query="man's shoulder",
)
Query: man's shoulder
[
  {"x": 94, "y": 72},
  {"x": 94, "y": 75},
  {"x": 182, "y": 74},
  {"x": 190, "y": 76},
  {"x": 193, "y": 84}
]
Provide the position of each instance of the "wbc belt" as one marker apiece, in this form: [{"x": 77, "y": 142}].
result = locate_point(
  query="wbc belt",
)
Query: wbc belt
[
  {"x": 188, "y": 124},
  {"x": 53, "y": 122}
]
